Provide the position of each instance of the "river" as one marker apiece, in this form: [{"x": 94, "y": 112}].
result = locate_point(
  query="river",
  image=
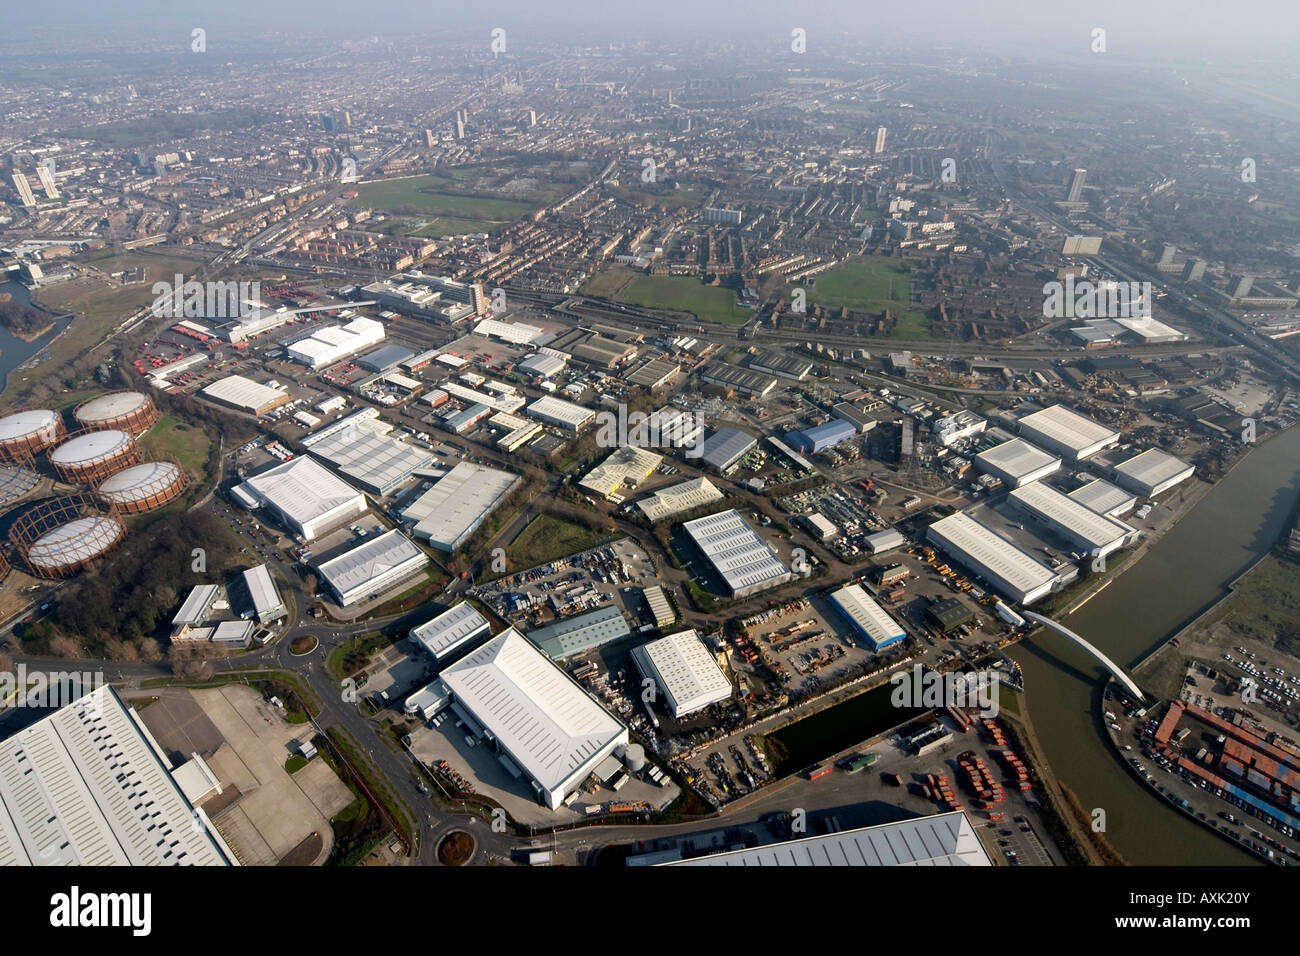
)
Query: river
[
  {"x": 1180, "y": 576},
  {"x": 13, "y": 350}
]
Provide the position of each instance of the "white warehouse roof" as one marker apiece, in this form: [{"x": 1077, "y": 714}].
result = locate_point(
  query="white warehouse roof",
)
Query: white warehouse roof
[
  {"x": 328, "y": 345},
  {"x": 745, "y": 561},
  {"x": 267, "y": 603},
  {"x": 240, "y": 392},
  {"x": 1104, "y": 498},
  {"x": 945, "y": 839},
  {"x": 309, "y": 497},
  {"x": 543, "y": 365},
  {"x": 370, "y": 456},
  {"x": 1152, "y": 472},
  {"x": 372, "y": 566},
  {"x": 1066, "y": 432},
  {"x": 1017, "y": 462},
  {"x": 516, "y": 333},
  {"x": 450, "y": 629},
  {"x": 196, "y": 606},
  {"x": 548, "y": 725},
  {"x": 1017, "y": 573},
  {"x": 1080, "y": 524},
  {"x": 625, "y": 466},
  {"x": 448, "y": 513},
  {"x": 685, "y": 670},
  {"x": 675, "y": 499},
  {"x": 87, "y": 786},
  {"x": 556, "y": 411}
]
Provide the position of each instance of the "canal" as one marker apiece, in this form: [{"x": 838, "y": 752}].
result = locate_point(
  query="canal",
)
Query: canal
[
  {"x": 1180, "y": 576},
  {"x": 827, "y": 732}
]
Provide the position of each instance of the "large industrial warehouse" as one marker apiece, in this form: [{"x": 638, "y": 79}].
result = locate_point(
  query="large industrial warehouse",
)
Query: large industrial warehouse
[
  {"x": 362, "y": 449},
  {"x": 1017, "y": 462},
  {"x": 673, "y": 500},
  {"x": 869, "y": 620},
  {"x": 450, "y": 630},
  {"x": 88, "y": 786},
  {"x": 573, "y": 635},
  {"x": 333, "y": 343},
  {"x": 624, "y": 468},
  {"x": 1094, "y": 534},
  {"x": 746, "y": 563},
  {"x": 819, "y": 437},
  {"x": 452, "y": 509},
  {"x": 1104, "y": 498},
  {"x": 945, "y": 839},
  {"x": 682, "y": 667},
  {"x": 725, "y": 447},
  {"x": 1067, "y": 433},
  {"x": 1013, "y": 572},
  {"x": 538, "y": 716},
  {"x": 307, "y": 498},
  {"x": 1152, "y": 472},
  {"x": 372, "y": 567},
  {"x": 245, "y": 395},
  {"x": 556, "y": 411}
]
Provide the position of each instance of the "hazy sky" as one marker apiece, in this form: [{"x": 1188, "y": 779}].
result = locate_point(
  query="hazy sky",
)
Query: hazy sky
[{"x": 1219, "y": 30}]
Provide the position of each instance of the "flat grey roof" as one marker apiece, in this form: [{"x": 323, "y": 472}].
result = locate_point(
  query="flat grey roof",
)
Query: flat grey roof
[
  {"x": 1103, "y": 497},
  {"x": 736, "y": 551},
  {"x": 946, "y": 839},
  {"x": 547, "y": 724},
  {"x": 1152, "y": 467},
  {"x": 196, "y": 605},
  {"x": 1018, "y": 459},
  {"x": 968, "y": 537},
  {"x": 262, "y": 589},
  {"x": 1059, "y": 509},
  {"x": 1067, "y": 428},
  {"x": 573, "y": 635},
  {"x": 450, "y": 629},
  {"x": 64, "y": 785},
  {"x": 369, "y": 561},
  {"x": 725, "y": 446},
  {"x": 450, "y": 510}
]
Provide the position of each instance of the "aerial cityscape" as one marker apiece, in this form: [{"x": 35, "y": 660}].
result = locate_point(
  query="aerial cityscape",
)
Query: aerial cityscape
[{"x": 560, "y": 441}]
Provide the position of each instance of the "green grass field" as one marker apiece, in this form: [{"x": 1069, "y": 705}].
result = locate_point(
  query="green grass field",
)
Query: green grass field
[
  {"x": 607, "y": 283},
  {"x": 873, "y": 284},
  {"x": 187, "y": 443},
  {"x": 426, "y": 194},
  {"x": 686, "y": 294},
  {"x": 546, "y": 538}
]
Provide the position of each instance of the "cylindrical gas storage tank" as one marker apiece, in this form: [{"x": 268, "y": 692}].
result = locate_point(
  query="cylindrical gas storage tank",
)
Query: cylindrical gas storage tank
[
  {"x": 142, "y": 487},
  {"x": 132, "y": 412},
  {"x": 91, "y": 456},
  {"x": 60, "y": 536},
  {"x": 29, "y": 432},
  {"x": 4, "y": 565}
]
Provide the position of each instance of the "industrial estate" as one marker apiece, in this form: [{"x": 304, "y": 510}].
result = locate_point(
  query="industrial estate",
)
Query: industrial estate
[{"x": 668, "y": 453}]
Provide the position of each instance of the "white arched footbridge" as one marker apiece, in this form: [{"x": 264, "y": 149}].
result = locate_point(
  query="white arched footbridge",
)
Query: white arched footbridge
[{"x": 1101, "y": 658}]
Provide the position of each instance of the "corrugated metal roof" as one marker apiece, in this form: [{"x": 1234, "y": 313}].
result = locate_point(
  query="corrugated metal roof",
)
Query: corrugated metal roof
[
  {"x": 539, "y": 716},
  {"x": 683, "y": 667},
  {"x": 947, "y": 839},
  {"x": 84, "y": 786},
  {"x": 736, "y": 551}
]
